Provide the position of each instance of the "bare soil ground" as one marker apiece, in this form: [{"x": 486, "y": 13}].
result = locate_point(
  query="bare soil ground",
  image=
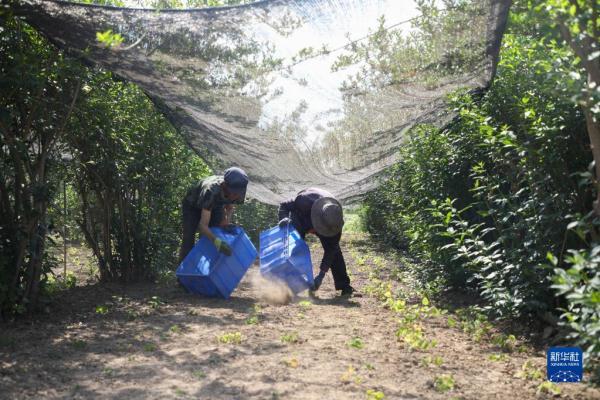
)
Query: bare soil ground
[{"x": 149, "y": 341}]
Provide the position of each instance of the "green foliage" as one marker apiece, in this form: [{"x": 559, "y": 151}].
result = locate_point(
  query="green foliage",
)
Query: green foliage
[
  {"x": 103, "y": 309},
  {"x": 549, "y": 388},
  {"x": 124, "y": 167},
  {"x": 38, "y": 95},
  {"x": 498, "y": 357},
  {"x": 50, "y": 285},
  {"x": 428, "y": 360},
  {"x": 131, "y": 170},
  {"x": 354, "y": 220},
  {"x": 290, "y": 337},
  {"x": 155, "y": 302},
  {"x": 109, "y": 39},
  {"x": 356, "y": 343},
  {"x": 230, "y": 338},
  {"x": 483, "y": 201},
  {"x": 149, "y": 347},
  {"x": 444, "y": 383},
  {"x": 254, "y": 317},
  {"x": 580, "y": 285},
  {"x": 199, "y": 374},
  {"x": 373, "y": 394},
  {"x": 255, "y": 217},
  {"x": 530, "y": 372}
]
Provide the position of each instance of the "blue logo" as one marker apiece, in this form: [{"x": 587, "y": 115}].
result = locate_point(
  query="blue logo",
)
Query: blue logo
[{"x": 565, "y": 364}]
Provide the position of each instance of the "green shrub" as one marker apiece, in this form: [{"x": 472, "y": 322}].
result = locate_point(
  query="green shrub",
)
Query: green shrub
[{"x": 484, "y": 200}]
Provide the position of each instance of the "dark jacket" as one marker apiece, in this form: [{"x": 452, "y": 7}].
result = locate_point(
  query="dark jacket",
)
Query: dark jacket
[{"x": 298, "y": 210}]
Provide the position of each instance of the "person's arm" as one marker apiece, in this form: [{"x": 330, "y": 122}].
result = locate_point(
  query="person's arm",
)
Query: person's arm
[
  {"x": 204, "y": 229},
  {"x": 285, "y": 209},
  {"x": 203, "y": 225}
]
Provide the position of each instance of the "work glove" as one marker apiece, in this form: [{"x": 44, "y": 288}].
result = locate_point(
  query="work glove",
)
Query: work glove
[
  {"x": 222, "y": 247},
  {"x": 284, "y": 222},
  {"x": 318, "y": 281}
]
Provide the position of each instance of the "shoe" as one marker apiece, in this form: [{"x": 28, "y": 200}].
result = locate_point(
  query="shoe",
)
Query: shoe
[{"x": 347, "y": 291}]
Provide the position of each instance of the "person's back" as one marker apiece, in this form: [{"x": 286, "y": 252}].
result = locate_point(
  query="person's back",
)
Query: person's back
[
  {"x": 314, "y": 210},
  {"x": 210, "y": 203}
]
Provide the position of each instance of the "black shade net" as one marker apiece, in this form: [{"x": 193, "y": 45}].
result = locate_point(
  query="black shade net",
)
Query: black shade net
[{"x": 298, "y": 93}]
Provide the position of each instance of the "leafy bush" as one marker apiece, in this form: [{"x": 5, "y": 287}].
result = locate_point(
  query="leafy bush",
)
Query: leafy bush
[
  {"x": 125, "y": 168},
  {"x": 483, "y": 201},
  {"x": 579, "y": 283},
  {"x": 131, "y": 170}
]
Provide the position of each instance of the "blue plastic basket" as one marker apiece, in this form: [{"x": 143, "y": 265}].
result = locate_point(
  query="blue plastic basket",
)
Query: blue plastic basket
[
  {"x": 208, "y": 272},
  {"x": 285, "y": 256}
]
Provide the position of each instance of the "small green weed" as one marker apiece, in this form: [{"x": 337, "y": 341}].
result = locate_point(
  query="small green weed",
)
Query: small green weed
[
  {"x": 548, "y": 387},
  {"x": 375, "y": 395},
  {"x": 291, "y": 337},
  {"x": 443, "y": 383},
  {"x": 199, "y": 374},
  {"x": 498, "y": 357},
  {"x": 230, "y": 338},
  {"x": 175, "y": 329},
  {"x": 356, "y": 343},
  {"x": 254, "y": 317},
  {"x": 413, "y": 336},
  {"x": 474, "y": 322},
  {"x": 505, "y": 342},
  {"x": 102, "y": 309},
  {"x": 437, "y": 361},
  {"x": 155, "y": 302},
  {"x": 529, "y": 371},
  {"x": 305, "y": 304},
  {"x": 149, "y": 347}
]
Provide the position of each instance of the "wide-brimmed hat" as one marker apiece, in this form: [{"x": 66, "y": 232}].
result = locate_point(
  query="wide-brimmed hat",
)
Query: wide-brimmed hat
[
  {"x": 237, "y": 181},
  {"x": 327, "y": 216}
]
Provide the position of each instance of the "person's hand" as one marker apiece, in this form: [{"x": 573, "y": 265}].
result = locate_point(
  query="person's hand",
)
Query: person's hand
[
  {"x": 284, "y": 222},
  {"x": 223, "y": 247},
  {"x": 318, "y": 281}
]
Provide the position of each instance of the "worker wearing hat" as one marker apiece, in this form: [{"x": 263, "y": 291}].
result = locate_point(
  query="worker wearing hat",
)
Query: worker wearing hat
[
  {"x": 315, "y": 211},
  {"x": 210, "y": 203}
]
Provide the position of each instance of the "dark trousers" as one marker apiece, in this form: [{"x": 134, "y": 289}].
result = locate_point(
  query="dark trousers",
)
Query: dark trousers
[
  {"x": 338, "y": 270},
  {"x": 190, "y": 218},
  {"x": 335, "y": 258},
  {"x": 338, "y": 264}
]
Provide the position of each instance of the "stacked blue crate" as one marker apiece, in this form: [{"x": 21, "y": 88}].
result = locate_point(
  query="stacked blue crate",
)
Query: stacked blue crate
[
  {"x": 208, "y": 272},
  {"x": 286, "y": 257}
]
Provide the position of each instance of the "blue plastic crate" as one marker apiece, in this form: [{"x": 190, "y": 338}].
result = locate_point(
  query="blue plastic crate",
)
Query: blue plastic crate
[
  {"x": 208, "y": 272},
  {"x": 285, "y": 256}
]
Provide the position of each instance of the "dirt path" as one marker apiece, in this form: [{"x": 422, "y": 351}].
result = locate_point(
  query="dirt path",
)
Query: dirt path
[{"x": 155, "y": 341}]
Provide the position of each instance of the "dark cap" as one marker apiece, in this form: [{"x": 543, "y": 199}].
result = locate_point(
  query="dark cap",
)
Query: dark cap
[{"x": 237, "y": 181}]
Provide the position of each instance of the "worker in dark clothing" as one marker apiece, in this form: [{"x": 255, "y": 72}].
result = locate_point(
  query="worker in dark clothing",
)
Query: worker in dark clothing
[
  {"x": 210, "y": 203},
  {"x": 315, "y": 211}
]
